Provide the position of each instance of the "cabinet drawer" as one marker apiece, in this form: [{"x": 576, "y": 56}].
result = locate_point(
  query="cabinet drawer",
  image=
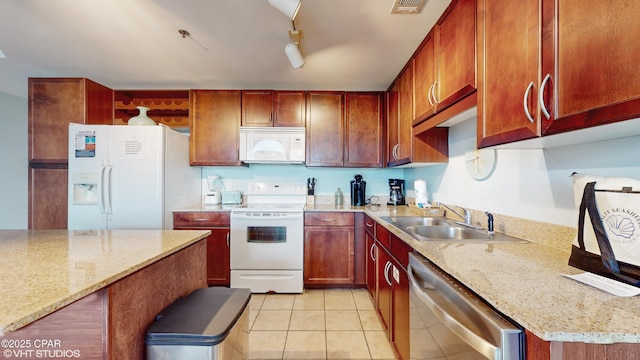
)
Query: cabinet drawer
[
  {"x": 382, "y": 235},
  {"x": 370, "y": 225},
  {"x": 322, "y": 218},
  {"x": 201, "y": 219},
  {"x": 400, "y": 250}
]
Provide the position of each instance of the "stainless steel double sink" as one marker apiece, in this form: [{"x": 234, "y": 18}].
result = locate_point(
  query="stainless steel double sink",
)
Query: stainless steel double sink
[{"x": 441, "y": 229}]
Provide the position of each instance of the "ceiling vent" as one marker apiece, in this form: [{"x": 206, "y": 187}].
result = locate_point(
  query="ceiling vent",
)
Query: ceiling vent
[{"x": 407, "y": 6}]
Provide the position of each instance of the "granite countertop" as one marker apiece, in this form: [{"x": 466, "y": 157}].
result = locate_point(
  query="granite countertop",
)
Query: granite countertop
[
  {"x": 45, "y": 270},
  {"x": 523, "y": 282}
]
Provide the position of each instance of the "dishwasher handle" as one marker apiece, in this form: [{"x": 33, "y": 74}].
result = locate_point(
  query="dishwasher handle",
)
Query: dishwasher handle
[{"x": 476, "y": 341}]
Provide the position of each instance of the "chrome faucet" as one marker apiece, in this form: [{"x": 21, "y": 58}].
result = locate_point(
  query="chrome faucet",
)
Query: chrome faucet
[{"x": 466, "y": 216}]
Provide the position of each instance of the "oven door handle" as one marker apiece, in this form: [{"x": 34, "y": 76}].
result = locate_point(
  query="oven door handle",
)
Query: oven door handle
[{"x": 435, "y": 303}]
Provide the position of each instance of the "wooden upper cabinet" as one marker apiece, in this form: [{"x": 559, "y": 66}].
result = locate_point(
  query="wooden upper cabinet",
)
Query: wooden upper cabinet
[
  {"x": 364, "y": 130},
  {"x": 508, "y": 56},
  {"x": 405, "y": 116},
  {"x": 393, "y": 123},
  {"x": 583, "y": 73},
  {"x": 325, "y": 128},
  {"x": 425, "y": 75},
  {"x": 593, "y": 79},
  {"x": 289, "y": 108},
  {"x": 456, "y": 54},
  {"x": 257, "y": 108},
  {"x": 273, "y": 108},
  {"x": 445, "y": 64},
  {"x": 215, "y": 127},
  {"x": 56, "y": 102}
]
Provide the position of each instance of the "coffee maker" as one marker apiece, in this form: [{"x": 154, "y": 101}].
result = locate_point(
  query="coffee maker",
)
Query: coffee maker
[
  {"x": 358, "y": 187},
  {"x": 396, "y": 192}
]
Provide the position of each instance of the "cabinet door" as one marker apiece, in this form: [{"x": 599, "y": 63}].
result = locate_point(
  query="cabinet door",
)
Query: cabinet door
[
  {"x": 508, "y": 53},
  {"x": 371, "y": 255},
  {"x": 400, "y": 311},
  {"x": 597, "y": 54},
  {"x": 364, "y": 130},
  {"x": 325, "y": 128},
  {"x": 218, "y": 257},
  {"x": 393, "y": 124},
  {"x": 405, "y": 111},
  {"x": 257, "y": 108},
  {"x": 48, "y": 198},
  {"x": 456, "y": 54},
  {"x": 425, "y": 69},
  {"x": 289, "y": 108},
  {"x": 383, "y": 304},
  {"x": 215, "y": 127},
  {"x": 329, "y": 256},
  {"x": 56, "y": 102}
]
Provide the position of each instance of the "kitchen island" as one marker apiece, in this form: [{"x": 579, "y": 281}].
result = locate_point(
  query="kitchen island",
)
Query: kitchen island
[{"x": 91, "y": 294}]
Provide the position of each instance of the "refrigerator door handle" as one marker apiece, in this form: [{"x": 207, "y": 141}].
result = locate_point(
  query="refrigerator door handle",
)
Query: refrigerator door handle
[
  {"x": 109, "y": 188},
  {"x": 102, "y": 206}
]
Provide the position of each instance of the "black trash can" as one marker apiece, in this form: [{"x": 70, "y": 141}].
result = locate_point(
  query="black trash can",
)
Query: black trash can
[{"x": 208, "y": 324}]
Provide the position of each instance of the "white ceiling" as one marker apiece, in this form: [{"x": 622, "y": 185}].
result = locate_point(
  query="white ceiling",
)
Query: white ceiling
[{"x": 234, "y": 44}]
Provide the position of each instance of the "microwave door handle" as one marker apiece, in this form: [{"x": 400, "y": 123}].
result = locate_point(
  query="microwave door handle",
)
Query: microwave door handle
[{"x": 476, "y": 341}]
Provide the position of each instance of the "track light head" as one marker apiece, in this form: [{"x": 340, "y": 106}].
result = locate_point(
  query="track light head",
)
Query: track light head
[
  {"x": 294, "y": 55},
  {"x": 288, "y": 7}
]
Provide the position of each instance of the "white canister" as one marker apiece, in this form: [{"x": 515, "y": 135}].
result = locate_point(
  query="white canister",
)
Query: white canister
[{"x": 420, "y": 187}]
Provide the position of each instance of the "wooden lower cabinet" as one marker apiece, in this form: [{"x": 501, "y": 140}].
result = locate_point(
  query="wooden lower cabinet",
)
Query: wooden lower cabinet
[
  {"x": 48, "y": 197},
  {"x": 371, "y": 256},
  {"x": 218, "y": 250},
  {"x": 329, "y": 249},
  {"x": 388, "y": 283}
]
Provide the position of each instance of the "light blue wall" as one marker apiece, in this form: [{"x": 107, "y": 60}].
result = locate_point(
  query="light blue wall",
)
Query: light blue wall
[
  {"x": 13, "y": 162},
  {"x": 527, "y": 183},
  {"x": 328, "y": 179}
]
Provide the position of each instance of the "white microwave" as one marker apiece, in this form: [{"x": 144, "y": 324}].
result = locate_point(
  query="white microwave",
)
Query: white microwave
[{"x": 283, "y": 145}]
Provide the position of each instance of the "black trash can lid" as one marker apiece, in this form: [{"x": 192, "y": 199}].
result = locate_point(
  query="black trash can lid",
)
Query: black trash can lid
[{"x": 203, "y": 318}]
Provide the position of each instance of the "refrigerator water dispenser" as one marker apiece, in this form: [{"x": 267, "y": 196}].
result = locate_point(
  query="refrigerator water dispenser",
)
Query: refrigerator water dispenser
[{"x": 85, "y": 188}]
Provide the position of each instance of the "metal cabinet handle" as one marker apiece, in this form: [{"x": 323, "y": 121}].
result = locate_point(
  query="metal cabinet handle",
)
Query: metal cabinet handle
[
  {"x": 386, "y": 273},
  {"x": 394, "y": 152},
  {"x": 524, "y": 102},
  {"x": 200, "y": 220},
  {"x": 433, "y": 91},
  {"x": 371, "y": 250},
  {"x": 228, "y": 239},
  {"x": 368, "y": 224},
  {"x": 429, "y": 92},
  {"x": 541, "y": 97},
  {"x": 328, "y": 219}
]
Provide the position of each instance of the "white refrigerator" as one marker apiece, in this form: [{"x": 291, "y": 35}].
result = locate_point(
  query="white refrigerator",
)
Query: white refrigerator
[{"x": 129, "y": 177}]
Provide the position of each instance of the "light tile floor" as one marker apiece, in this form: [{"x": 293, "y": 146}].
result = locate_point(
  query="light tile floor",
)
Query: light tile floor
[{"x": 318, "y": 324}]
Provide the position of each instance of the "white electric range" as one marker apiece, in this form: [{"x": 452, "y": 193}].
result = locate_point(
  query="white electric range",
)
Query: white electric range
[{"x": 267, "y": 238}]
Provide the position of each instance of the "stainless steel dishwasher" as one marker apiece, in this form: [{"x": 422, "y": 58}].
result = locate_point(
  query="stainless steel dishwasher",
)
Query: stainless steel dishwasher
[{"x": 450, "y": 322}]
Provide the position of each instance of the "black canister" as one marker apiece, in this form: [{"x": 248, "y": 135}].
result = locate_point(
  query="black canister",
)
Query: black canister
[{"x": 358, "y": 191}]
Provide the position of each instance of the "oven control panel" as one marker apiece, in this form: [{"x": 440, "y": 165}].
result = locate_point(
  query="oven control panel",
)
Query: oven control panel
[{"x": 275, "y": 188}]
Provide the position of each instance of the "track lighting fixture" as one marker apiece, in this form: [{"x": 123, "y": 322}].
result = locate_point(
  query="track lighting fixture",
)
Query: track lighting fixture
[
  {"x": 288, "y": 7},
  {"x": 294, "y": 55}
]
